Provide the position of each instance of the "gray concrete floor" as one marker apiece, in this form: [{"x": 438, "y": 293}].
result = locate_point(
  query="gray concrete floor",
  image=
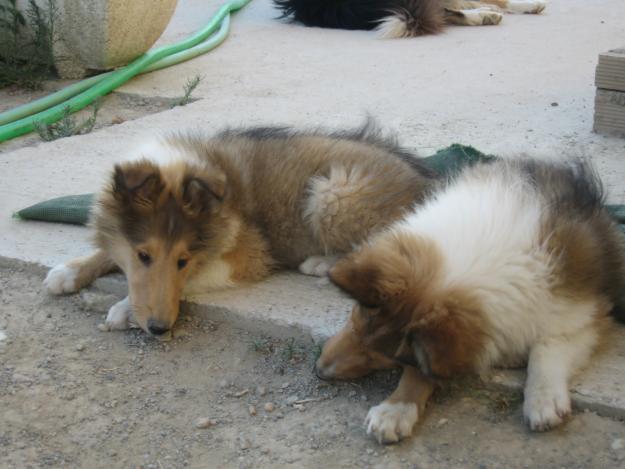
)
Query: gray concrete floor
[{"x": 525, "y": 86}]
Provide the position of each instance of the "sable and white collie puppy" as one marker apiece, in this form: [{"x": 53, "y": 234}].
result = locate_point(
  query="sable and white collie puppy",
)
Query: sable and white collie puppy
[
  {"x": 402, "y": 18},
  {"x": 191, "y": 214},
  {"x": 511, "y": 263}
]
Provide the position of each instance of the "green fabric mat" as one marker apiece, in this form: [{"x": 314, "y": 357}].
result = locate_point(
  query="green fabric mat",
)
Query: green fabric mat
[
  {"x": 75, "y": 209},
  {"x": 72, "y": 209}
]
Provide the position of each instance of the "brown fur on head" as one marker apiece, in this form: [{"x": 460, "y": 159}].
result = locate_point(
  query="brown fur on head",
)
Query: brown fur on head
[
  {"x": 158, "y": 224},
  {"x": 403, "y": 313}
]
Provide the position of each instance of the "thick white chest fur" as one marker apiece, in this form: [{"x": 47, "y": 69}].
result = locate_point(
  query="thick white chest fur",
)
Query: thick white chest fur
[
  {"x": 488, "y": 230},
  {"x": 214, "y": 275}
]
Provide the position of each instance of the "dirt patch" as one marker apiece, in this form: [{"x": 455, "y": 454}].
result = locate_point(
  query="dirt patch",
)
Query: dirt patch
[
  {"x": 71, "y": 396},
  {"x": 115, "y": 109}
]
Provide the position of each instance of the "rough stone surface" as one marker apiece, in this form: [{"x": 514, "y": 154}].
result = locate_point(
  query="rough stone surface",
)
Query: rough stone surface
[{"x": 104, "y": 34}]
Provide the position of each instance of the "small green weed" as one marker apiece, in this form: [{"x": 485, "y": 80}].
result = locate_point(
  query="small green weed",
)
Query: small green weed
[
  {"x": 67, "y": 126},
  {"x": 26, "y": 59},
  {"x": 189, "y": 87},
  {"x": 292, "y": 351},
  {"x": 262, "y": 345},
  {"x": 316, "y": 351}
]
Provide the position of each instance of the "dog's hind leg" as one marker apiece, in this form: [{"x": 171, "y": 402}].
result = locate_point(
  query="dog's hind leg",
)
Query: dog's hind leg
[
  {"x": 317, "y": 266},
  {"x": 551, "y": 364},
  {"x": 78, "y": 273},
  {"x": 480, "y": 16},
  {"x": 344, "y": 207},
  {"x": 521, "y": 6},
  {"x": 511, "y": 6},
  {"x": 394, "y": 419}
]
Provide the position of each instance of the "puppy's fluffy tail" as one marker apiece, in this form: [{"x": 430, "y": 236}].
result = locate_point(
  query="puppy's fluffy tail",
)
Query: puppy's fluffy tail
[
  {"x": 412, "y": 18},
  {"x": 392, "y": 18}
]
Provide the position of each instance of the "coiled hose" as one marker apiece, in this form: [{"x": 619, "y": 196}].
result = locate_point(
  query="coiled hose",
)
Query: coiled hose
[{"x": 22, "y": 120}]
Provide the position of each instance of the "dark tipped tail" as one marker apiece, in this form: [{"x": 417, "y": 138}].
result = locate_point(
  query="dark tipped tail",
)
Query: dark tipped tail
[
  {"x": 392, "y": 18},
  {"x": 414, "y": 18}
]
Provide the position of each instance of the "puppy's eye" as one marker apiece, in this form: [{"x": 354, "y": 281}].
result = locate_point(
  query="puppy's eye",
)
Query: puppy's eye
[
  {"x": 144, "y": 257},
  {"x": 182, "y": 263}
]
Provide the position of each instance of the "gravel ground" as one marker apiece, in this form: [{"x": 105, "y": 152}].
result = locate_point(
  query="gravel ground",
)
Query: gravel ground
[{"x": 215, "y": 396}]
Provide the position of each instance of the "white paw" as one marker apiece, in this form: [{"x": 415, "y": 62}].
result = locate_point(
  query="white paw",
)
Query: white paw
[
  {"x": 491, "y": 17},
  {"x": 527, "y": 6},
  {"x": 317, "y": 266},
  {"x": 482, "y": 16},
  {"x": 61, "y": 279},
  {"x": 546, "y": 409},
  {"x": 391, "y": 422},
  {"x": 119, "y": 317}
]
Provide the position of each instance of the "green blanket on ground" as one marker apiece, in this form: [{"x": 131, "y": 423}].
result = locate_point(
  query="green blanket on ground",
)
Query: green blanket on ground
[{"x": 75, "y": 209}]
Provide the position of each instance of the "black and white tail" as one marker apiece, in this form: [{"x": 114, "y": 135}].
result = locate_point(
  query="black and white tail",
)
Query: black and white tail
[{"x": 391, "y": 18}]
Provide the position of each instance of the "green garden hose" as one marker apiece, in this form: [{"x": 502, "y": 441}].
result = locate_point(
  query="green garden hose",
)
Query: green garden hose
[
  {"x": 22, "y": 120},
  {"x": 60, "y": 96}
]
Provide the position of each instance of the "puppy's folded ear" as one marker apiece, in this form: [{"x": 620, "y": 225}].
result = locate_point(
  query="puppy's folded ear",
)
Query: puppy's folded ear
[
  {"x": 373, "y": 275},
  {"x": 202, "y": 194},
  {"x": 137, "y": 183},
  {"x": 358, "y": 278}
]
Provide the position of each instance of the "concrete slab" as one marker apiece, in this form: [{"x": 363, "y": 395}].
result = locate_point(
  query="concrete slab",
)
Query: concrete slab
[{"x": 515, "y": 88}]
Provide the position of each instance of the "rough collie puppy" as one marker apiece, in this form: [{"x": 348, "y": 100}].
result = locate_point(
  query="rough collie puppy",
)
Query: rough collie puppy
[
  {"x": 191, "y": 214},
  {"x": 402, "y": 18},
  {"x": 511, "y": 263}
]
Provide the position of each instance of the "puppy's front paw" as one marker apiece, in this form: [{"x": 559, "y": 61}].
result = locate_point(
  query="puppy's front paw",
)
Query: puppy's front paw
[
  {"x": 390, "y": 422},
  {"x": 61, "y": 279},
  {"x": 118, "y": 317},
  {"x": 544, "y": 410}
]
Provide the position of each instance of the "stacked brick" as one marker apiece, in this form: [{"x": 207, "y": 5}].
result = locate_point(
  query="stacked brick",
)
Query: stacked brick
[{"x": 610, "y": 98}]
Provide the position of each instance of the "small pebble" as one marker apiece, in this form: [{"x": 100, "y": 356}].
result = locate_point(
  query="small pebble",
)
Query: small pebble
[
  {"x": 252, "y": 410},
  {"x": 80, "y": 347},
  {"x": 269, "y": 407},
  {"x": 285, "y": 385},
  {"x": 261, "y": 390},
  {"x": 292, "y": 400},
  {"x": 617, "y": 444},
  {"x": 442, "y": 422},
  {"x": 204, "y": 422}
]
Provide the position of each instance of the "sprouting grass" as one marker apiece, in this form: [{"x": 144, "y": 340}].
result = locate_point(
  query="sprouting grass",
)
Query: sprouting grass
[
  {"x": 189, "y": 87},
  {"x": 262, "y": 345},
  {"x": 26, "y": 43},
  {"x": 67, "y": 126}
]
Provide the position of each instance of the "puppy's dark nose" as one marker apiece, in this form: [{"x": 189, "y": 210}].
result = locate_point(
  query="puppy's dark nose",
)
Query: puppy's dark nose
[
  {"x": 320, "y": 374},
  {"x": 157, "y": 327}
]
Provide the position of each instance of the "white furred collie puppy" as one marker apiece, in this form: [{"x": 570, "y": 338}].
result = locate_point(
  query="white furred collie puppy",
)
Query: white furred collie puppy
[{"x": 511, "y": 263}]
